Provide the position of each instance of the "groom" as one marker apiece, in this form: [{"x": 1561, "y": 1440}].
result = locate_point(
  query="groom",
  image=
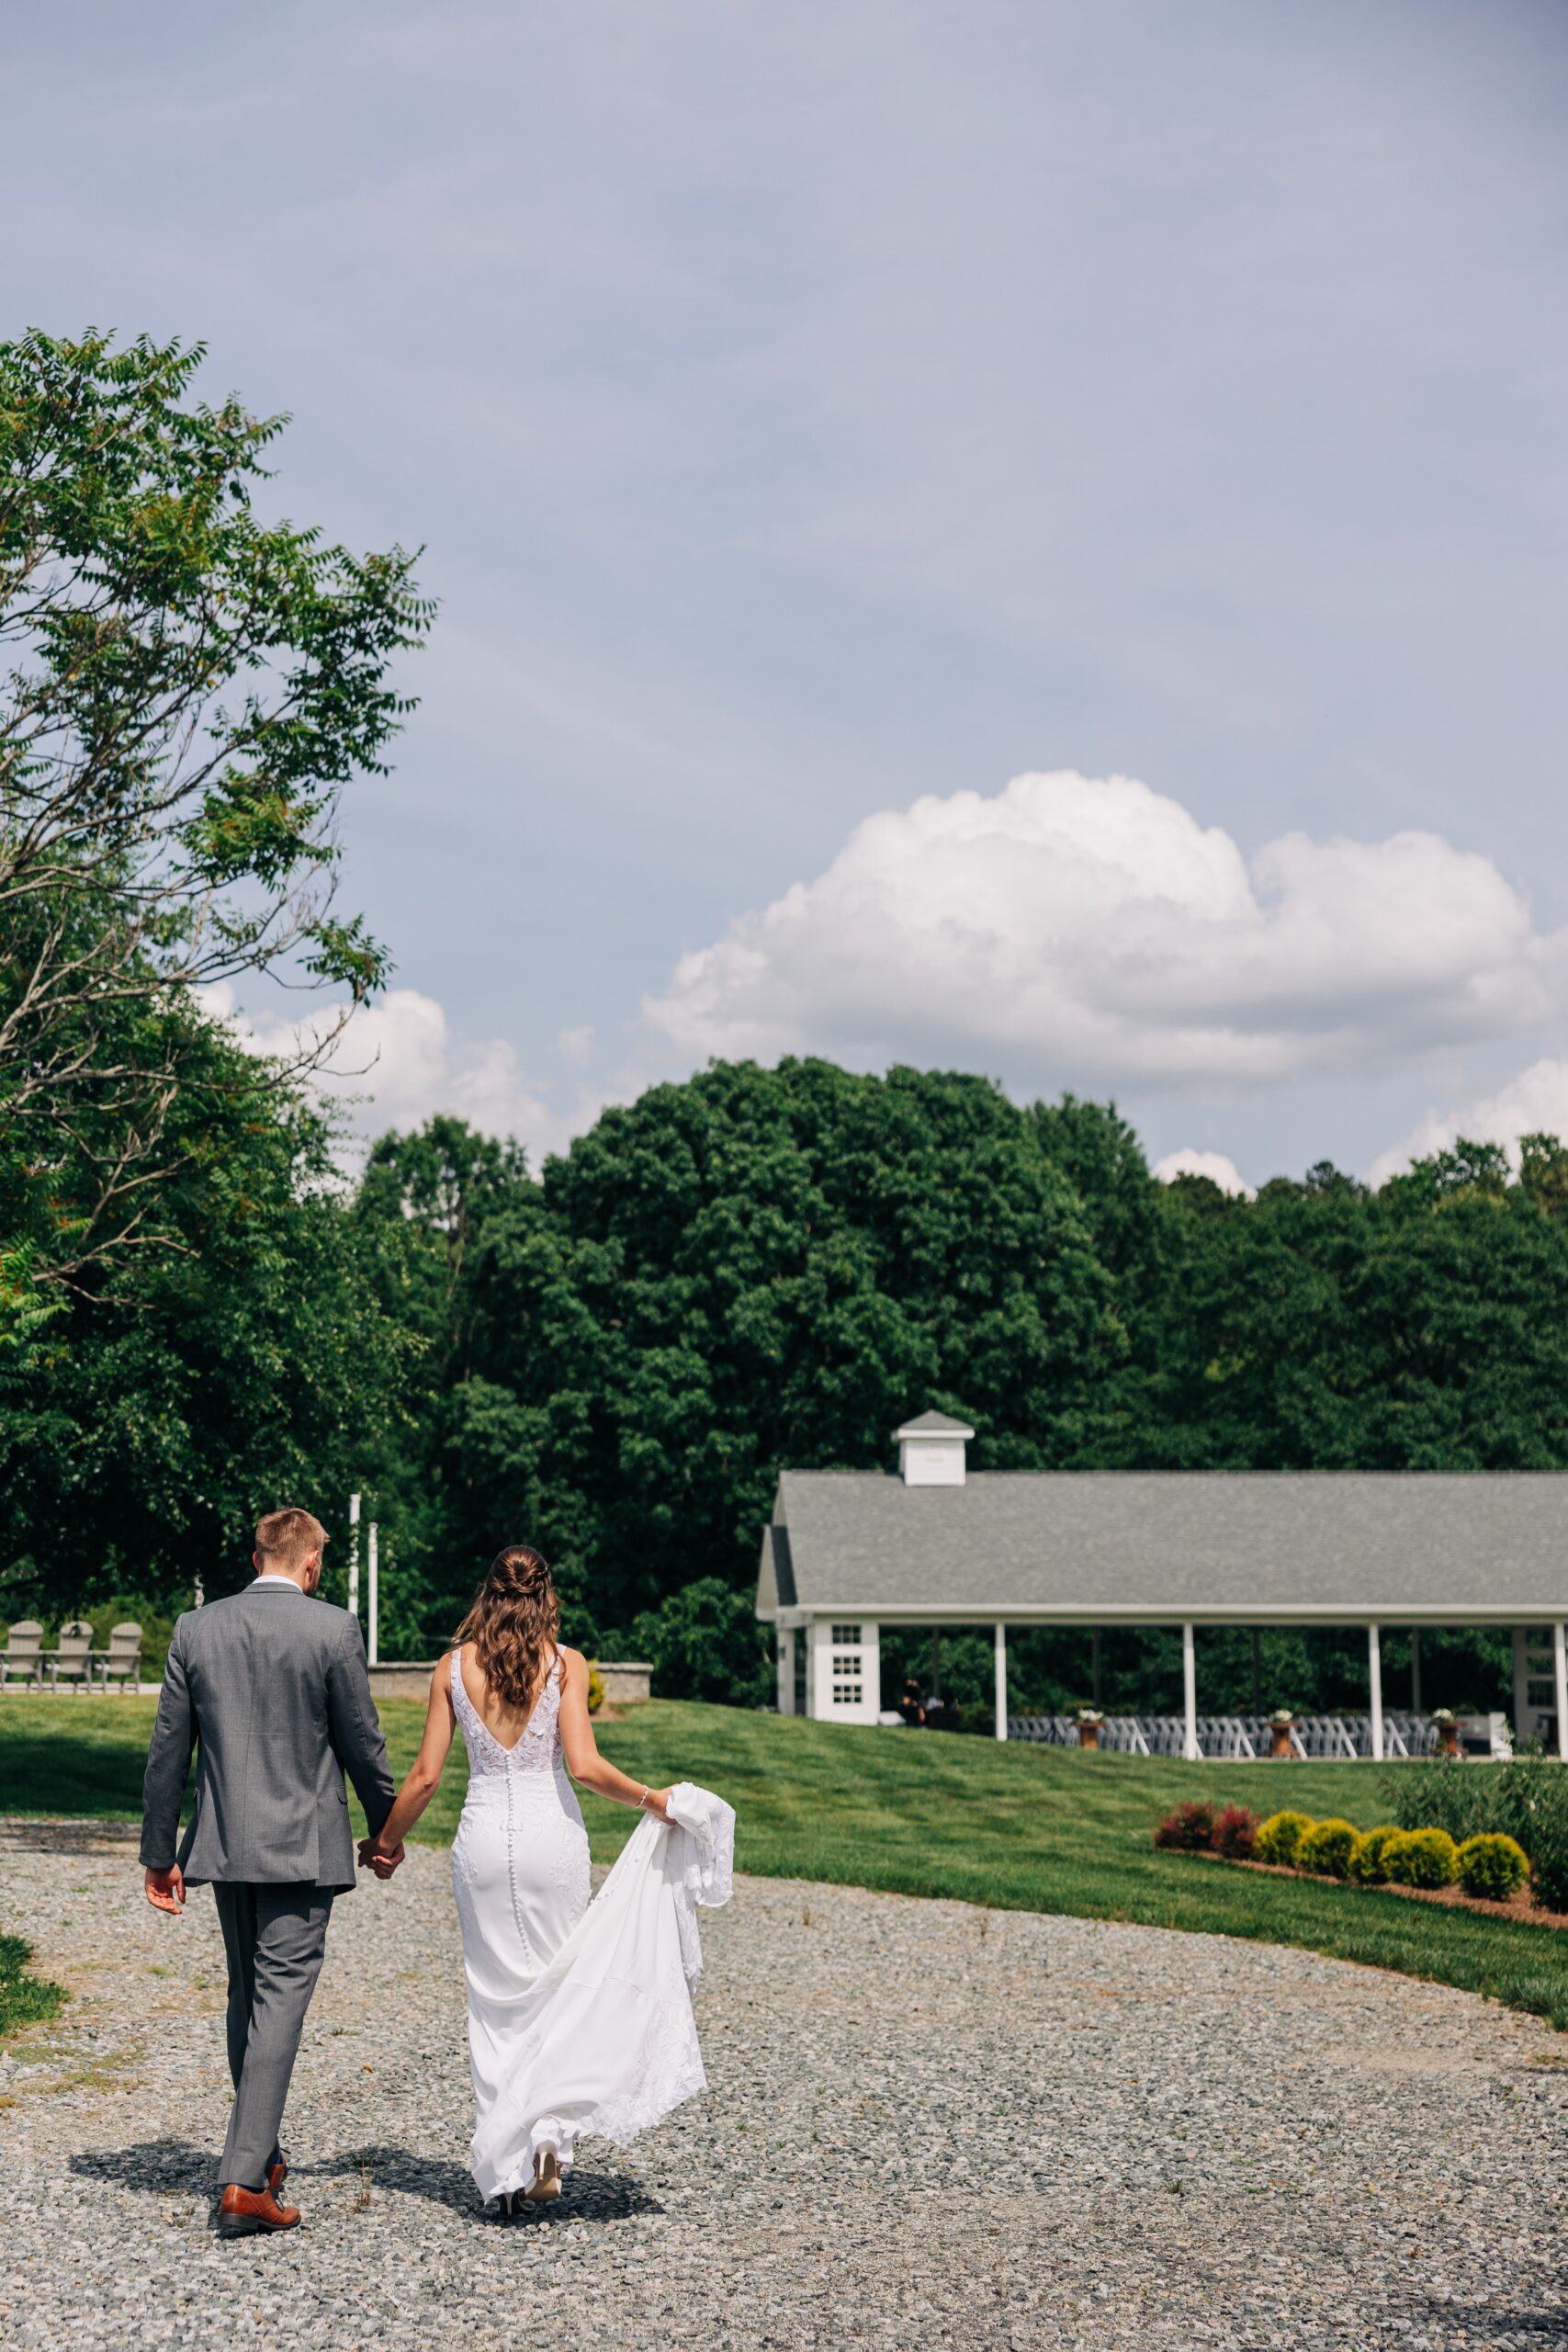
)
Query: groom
[{"x": 274, "y": 1688}]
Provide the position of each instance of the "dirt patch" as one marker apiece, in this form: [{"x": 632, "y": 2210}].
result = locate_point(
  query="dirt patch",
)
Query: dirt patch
[{"x": 1520, "y": 1907}]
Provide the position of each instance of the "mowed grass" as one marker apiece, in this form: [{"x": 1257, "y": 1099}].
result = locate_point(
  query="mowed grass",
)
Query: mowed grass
[{"x": 922, "y": 1813}]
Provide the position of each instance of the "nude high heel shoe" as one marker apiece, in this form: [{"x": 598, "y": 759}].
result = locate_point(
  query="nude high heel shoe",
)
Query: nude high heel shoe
[{"x": 544, "y": 2186}]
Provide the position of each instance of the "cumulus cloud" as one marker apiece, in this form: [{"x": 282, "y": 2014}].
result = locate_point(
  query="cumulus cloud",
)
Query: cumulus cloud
[
  {"x": 397, "y": 1061},
  {"x": 1535, "y": 1102},
  {"x": 1218, "y": 1168},
  {"x": 1089, "y": 932}
]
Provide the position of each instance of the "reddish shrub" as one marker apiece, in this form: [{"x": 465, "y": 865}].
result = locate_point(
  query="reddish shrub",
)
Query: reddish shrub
[
  {"x": 1188, "y": 1830},
  {"x": 1234, "y": 1833}
]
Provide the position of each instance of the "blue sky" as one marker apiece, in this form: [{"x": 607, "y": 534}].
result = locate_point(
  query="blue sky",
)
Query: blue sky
[{"x": 818, "y": 415}]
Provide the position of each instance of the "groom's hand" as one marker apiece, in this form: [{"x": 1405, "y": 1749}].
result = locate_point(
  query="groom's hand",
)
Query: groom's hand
[{"x": 166, "y": 1889}]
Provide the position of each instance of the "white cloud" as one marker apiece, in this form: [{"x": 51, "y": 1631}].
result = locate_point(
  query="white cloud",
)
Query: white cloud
[
  {"x": 1535, "y": 1102},
  {"x": 1219, "y": 1169},
  {"x": 1089, "y": 932},
  {"x": 397, "y": 1062}
]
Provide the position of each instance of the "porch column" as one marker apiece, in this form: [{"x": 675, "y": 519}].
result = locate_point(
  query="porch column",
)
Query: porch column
[
  {"x": 1415, "y": 1669},
  {"x": 1189, "y": 1692},
  {"x": 787, "y": 1639},
  {"x": 1374, "y": 1677},
  {"x": 1559, "y": 1665},
  {"x": 1001, "y": 1681}
]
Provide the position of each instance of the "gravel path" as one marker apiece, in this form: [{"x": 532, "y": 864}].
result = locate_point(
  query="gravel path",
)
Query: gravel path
[{"x": 927, "y": 2125}]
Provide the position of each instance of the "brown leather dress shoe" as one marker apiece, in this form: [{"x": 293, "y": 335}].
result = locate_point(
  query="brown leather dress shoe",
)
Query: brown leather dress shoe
[{"x": 249, "y": 2212}]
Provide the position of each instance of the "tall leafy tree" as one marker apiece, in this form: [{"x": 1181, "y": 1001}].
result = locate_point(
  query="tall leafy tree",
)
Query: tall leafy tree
[{"x": 186, "y": 688}]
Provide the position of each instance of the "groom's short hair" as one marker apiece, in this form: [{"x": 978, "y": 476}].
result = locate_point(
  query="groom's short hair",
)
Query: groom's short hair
[{"x": 285, "y": 1538}]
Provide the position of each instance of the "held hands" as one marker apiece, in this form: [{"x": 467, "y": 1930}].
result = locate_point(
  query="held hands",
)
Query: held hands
[
  {"x": 166, "y": 1890},
  {"x": 372, "y": 1857}
]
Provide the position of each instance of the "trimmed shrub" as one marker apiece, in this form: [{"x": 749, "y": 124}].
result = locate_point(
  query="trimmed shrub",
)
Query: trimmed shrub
[
  {"x": 1366, "y": 1866},
  {"x": 1420, "y": 1858},
  {"x": 1235, "y": 1832},
  {"x": 1491, "y": 1866},
  {"x": 595, "y": 1686},
  {"x": 1188, "y": 1830},
  {"x": 1326, "y": 1849},
  {"x": 1277, "y": 1837}
]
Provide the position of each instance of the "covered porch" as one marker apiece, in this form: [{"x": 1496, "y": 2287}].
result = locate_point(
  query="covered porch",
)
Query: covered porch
[{"x": 830, "y": 1668}]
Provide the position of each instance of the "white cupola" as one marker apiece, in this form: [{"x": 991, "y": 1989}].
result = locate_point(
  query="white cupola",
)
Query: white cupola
[{"x": 930, "y": 1451}]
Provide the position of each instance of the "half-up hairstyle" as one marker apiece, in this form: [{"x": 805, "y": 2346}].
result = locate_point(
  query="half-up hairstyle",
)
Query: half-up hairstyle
[{"x": 514, "y": 1624}]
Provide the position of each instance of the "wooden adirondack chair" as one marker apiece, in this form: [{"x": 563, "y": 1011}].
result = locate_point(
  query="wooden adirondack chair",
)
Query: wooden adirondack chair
[
  {"x": 71, "y": 1659},
  {"x": 121, "y": 1662},
  {"x": 23, "y": 1653}
]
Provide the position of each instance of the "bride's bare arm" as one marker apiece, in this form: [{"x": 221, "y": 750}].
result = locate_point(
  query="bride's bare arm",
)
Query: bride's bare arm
[
  {"x": 583, "y": 1761},
  {"x": 424, "y": 1778}
]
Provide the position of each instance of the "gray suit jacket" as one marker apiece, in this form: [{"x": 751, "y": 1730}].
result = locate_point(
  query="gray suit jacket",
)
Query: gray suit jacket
[{"x": 273, "y": 1685}]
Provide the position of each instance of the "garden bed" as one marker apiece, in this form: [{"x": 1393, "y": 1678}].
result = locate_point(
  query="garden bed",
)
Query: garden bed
[{"x": 1520, "y": 1907}]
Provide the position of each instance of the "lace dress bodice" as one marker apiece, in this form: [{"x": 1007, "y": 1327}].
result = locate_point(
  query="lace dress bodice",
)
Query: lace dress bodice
[{"x": 538, "y": 1749}]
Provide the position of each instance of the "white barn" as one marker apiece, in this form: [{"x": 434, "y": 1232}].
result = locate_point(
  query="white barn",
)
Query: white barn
[{"x": 936, "y": 1544}]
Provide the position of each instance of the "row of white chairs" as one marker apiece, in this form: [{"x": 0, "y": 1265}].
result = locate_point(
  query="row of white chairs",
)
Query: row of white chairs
[{"x": 1236, "y": 1737}]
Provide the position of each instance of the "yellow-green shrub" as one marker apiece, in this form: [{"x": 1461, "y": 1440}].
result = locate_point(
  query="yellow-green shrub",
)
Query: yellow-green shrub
[
  {"x": 1366, "y": 1866},
  {"x": 1327, "y": 1848},
  {"x": 1277, "y": 1837},
  {"x": 595, "y": 1686},
  {"x": 1491, "y": 1866},
  {"x": 1420, "y": 1858}
]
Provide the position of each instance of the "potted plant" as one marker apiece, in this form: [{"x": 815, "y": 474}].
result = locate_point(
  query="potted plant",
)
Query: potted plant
[
  {"x": 1445, "y": 1722},
  {"x": 1089, "y": 1722},
  {"x": 1281, "y": 1724}
]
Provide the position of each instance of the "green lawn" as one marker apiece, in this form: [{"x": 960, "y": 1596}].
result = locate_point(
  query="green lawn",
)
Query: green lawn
[{"x": 1023, "y": 1828}]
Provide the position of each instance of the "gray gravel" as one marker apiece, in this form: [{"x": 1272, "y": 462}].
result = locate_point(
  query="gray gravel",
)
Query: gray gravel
[{"x": 927, "y": 2125}]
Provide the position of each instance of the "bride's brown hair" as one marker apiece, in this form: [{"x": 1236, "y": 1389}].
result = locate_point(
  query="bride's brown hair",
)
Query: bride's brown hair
[{"x": 514, "y": 1623}]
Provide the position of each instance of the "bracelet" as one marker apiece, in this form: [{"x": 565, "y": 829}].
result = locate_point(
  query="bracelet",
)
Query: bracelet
[{"x": 642, "y": 1800}]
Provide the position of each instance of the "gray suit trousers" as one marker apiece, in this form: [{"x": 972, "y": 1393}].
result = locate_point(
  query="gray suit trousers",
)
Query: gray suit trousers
[{"x": 276, "y": 1937}]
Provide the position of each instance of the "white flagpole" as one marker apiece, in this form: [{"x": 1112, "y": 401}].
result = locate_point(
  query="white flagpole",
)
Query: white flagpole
[
  {"x": 373, "y": 1596},
  {"x": 353, "y": 1556}
]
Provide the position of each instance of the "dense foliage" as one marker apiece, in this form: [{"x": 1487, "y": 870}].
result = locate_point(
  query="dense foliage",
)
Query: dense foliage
[
  {"x": 1526, "y": 1801},
  {"x": 762, "y": 1266}
]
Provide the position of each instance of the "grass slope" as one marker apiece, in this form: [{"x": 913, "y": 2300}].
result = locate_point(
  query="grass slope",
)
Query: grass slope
[{"x": 1022, "y": 1828}]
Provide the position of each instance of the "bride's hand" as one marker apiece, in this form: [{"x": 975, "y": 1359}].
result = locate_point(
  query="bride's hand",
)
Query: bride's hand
[{"x": 657, "y": 1802}]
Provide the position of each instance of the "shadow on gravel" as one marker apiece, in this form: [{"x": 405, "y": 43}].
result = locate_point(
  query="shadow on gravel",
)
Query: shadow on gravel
[
  {"x": 65, "y": 1837},
  {"x": 1491, "y": 2323},
  {"x": 590, "y": 2196},
  {"x": 154, "y": 2165}
]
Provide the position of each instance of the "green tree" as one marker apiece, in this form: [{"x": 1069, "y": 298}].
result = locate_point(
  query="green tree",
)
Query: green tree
[
  {"x": 188, "y": 688},
  {"x": 248, "y": 1364}
]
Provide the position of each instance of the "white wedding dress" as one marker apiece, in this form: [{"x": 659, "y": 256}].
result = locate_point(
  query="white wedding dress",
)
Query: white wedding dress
[{"x": 580, "y": 2013}]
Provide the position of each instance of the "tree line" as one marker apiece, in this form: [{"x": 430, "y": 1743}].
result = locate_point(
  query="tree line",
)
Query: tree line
[{"x": 612, "y": 1355}]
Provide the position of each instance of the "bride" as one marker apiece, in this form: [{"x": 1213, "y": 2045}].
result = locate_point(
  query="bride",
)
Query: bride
[{"x": 578, "y": 2016}]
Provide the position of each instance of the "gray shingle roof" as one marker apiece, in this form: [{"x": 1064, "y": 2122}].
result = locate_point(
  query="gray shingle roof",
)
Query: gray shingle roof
[
  {"x": 1147, "y": 1545},
  {"x": 934, "y": 1424}
]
